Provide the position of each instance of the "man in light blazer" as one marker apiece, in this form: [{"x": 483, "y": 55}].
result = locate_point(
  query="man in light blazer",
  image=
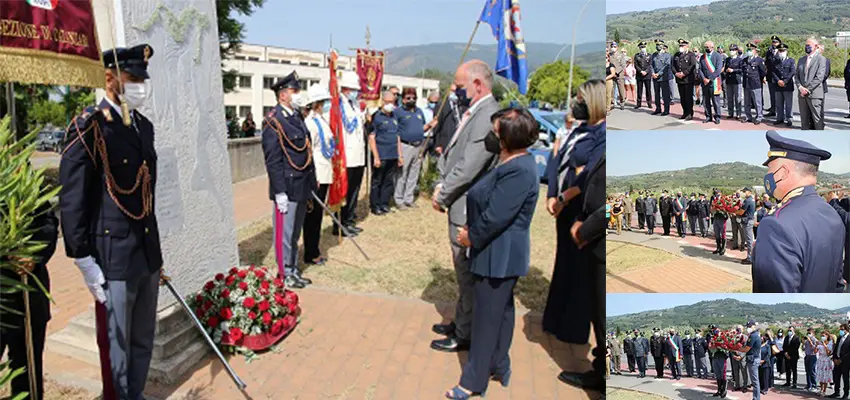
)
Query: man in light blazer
[
  {"x": 462, "y": 163},
  {"x": 811, "y": 71}
]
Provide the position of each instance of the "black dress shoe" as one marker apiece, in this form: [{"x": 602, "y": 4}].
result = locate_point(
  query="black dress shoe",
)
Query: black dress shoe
[
  {"x": 450, "y": 345},
  {"x": 297, "y": 276},
  {"x": 293, "y": 283},
  {"x": 637, "y": 106},
  {"x": 656, "y": 113},
  {"x": 758, "y": 121},
  {"x": 689, "y": 117},
  {"x": 346, "y": 233},
  {"x": 665, "y": 113},
  {"x": 385, "y": 209},
  {"x": 715, "y": 252},
  {"x": 722, "y": 252},
  {"x": 683, "y": 117},
  {"x": 707, "y": 120},
  {"x": 378, "y": 211},
  {"x": 770, "y": 114},
  {"x": 789, "y": 124},
  {"x": 354, "y": 228},
  {"x": 444, "y": 329},
  {"x": 586, "y": 380},
  {"x": 717, "y": 121},
  {"x": 746, "y": 262},
  {"x": 316, "y": 261}
]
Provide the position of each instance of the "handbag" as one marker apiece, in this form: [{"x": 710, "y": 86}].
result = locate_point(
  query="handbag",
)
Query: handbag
[{"x": 774, "y": 350}]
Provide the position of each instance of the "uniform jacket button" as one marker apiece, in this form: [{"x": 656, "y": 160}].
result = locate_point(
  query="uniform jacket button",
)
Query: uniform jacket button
[
  {"x": 147, "y": 230},
  {"x": 125, "y": 161},
  {"x": 106, "y": 231}
]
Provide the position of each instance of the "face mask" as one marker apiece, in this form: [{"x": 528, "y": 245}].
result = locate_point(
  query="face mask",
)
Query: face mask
[
  {"x": 492, "y": 143},
  {"x": 353, "y": 96},
  {"x": 658, "y": 48},
  {"x": 613, "y": 51},
  {"x": 388, "y": 108},
  {"x": 135, "y": 94},
  {"x": 783, "y": 55},
  {"x": 326, "y": 108},
  {"x": 409, "y": 104},
  {"x": 749, "y": 53},
  {"x": 790, "y": 333},
  {"x": 779, "y": 334},
  {"x": 770, "y": 184},
  {"x": 657, "y": 334},
  {"x": 295, "y": 101},
  {"x": 809, "y": 49},
  {"x": 683, "y": 49},
  {"x": 643, "y": 50},
  {"x": 687, "y": 336},
  {"x": 841, "y": 333},
  {"x": 580, "y": 111},
  {"x": 432, "y": 105},
  {"x": 823, "y": 338},
  {"x": 462, "y": 100},
  {"x": 734, "y": 53},
  {"x": 749, "y": 330},
  {"x": 707, "y": 50}
]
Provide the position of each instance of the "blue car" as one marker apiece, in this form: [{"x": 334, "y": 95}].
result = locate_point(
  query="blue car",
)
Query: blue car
[{"x": 549, "y": 122}]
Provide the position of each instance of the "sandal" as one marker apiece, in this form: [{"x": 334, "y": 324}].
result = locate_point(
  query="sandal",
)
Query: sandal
[{"x": 458, "y": 394}]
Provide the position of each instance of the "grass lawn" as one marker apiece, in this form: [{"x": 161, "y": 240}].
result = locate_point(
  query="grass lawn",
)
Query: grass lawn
[
  {"x": 625, "y": 394},
  {"x": 623, "y": 257},
  {"x": 410, "y": 255}
]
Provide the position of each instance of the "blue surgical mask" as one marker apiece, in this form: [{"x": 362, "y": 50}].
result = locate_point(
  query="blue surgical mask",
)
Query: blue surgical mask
[
  {"x": 809, "y": 49},
  {"x": 749, "y": 53},
  {"x": 353, "y": 96},
  {"x": 770, "y": 184},
  {"x": 841, "y": 333},
  {"x": 326, "y": 108},
  {"x": 432, "y": 105},
  {"x": 453, "y": 97}
]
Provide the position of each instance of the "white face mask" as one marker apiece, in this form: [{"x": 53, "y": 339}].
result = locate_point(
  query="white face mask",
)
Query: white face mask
[
  {"x": 687, "y": 336},
  {"x": 749, "y": 53},
  {"x": 388, "y": 108},
  {"x": 657, "y": 334},
  {"x": 296, "y": 101},
  {"x": 643, "y": 50},
  {"x": 823, "y": 338},
  {"x": 135, "y": 94},
  {"x": 734, "y": 53},
  {"x": 783, "y": 55},
  {"x": 749, "y": 330}
]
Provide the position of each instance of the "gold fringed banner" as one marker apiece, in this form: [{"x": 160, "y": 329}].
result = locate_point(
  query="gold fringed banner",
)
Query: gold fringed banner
[{"x": 50, "y": 42}]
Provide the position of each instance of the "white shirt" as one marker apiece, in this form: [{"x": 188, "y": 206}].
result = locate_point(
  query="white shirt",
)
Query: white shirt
[
  {"x": 465, "y": 118},
  {"x": 324, "y": 167},
  {"x": 355, "y": 145},
  {"x": 429, "y": 116}
]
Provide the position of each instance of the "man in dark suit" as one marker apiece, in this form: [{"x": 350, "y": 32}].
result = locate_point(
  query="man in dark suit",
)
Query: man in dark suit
[
  {"x": 657, "y": 347},
  {"x": 704, "y": 208},
  {"x": 710, "y": 67},
  {"x": 791, "y": 347},
  {"x": 643, "y": 75},
  {"x": 692, "y": 210},
  {"x": 673, "y": 352},
  {"x": 666, "y": 208},
  {"x": 783, "y": 78},
  {"x": 772, "y": 61},
  {"x": 629, "y": 349},
  {"x": 688, "y": 354},
  {"x": 639, "y": 207},
  {"x": 650, "y": 207},
  {"x": 112, "y": 234},
  {"x": 841, "y": 359},
  {"x": 684, "y": 68},
  {"x": 679, "y": 204},
  {"x": 447, "y": 121}
]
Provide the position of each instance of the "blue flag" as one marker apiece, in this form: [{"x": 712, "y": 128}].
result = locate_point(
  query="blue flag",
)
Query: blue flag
[{"x": 504, "y": 20}]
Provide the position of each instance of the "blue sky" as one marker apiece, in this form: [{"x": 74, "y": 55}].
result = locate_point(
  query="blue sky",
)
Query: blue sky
[
  {"x": 619, "y": 304},
  {"x": 622, "y": 6},
  {"x": 408, "y": 22},
  {"x": 631, "y": 152}
]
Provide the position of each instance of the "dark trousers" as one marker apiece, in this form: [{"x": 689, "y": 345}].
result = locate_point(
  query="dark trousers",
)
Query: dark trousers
[
  {"x": 355, "y": 179},
  {"x": 680, "y": 225},
  {"x": 764, "y": 375},
  {"x": 719, "y": 366},
  {"x": 641, "y": 365},
  {"x": 841, "y": 372},
  {"x": 686, "y": 92},
  {"x": 313, "y": 224},
  {"x": 14, "y": 339},
  {"x": 383, "y": 184},
  {"x": 662, "y": 91},
  {"x": 659, "y": 366},
  {"x": 675, "y": 367},
  {"x": 780, "y": 362},
  {"x": 692, "y": 221},
  {"x": 630, "y": 359},
  {"x": 644, "y": 84},
  {"x": 665, "y": 223},
  {"x": 650, "y": 223},
  {"x": 809, "y": 363},
  {"x": 711, "y": 103},
  {"x": 640, "y": 220},
  {"x": 771, "y": 89},
  {"x": 492, "y": 331},
  {"x": 688, "y": 359},
  {"x": 791, "y": 370},
  {"x": 702, "y": 222}
]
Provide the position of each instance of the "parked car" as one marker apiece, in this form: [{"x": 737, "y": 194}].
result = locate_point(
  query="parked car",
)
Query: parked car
[
  {"x": 548, "y": 122},
  {"x": 50, "y": 141}
]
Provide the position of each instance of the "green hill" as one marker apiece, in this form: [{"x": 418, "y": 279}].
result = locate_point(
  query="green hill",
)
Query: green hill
[
  {"x": 752, "y": 19},
  {"x": 410, "y": 60},
  {"x": 726, "y": 176},
  {"x": 725, "y": 313}
]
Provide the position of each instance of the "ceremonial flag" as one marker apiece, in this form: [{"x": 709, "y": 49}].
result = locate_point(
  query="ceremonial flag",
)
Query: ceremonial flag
[
  {"x": 339, "y": 186},
  {"x": 51, "y": 42},
  {"x": 504, "y": 19},
  {"x": 370, "y": 71}
]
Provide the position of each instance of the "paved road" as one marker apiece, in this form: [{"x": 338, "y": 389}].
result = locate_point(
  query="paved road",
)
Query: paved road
[
  {"x": 693, "y": 388},
  {"x": 836, "y": 109}
]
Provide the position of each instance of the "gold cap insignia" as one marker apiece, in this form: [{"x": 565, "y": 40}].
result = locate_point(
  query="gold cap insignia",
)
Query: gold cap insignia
[
  {"x": 147, "y": 53},
  {"x": 776, "y": 154}
]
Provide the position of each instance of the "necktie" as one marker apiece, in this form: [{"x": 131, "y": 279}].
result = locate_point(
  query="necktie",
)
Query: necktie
[{"x": 563, "y": 166}]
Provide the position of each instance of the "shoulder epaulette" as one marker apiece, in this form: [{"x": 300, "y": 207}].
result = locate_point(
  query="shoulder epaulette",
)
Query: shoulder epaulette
[{"x": 80, "y": 126}]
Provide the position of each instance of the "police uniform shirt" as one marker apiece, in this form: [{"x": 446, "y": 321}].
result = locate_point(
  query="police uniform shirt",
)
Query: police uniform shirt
[
  {"x": 755, "y": 72},
  {"x": 749, "y": 209},
  {"x": 754, "y": 343},
  {"x": 411, "y": 125},
  {"x": 800, "y": 246},
  {"x": 289, "y": 160},
  {"x": 737, "y": 65},
  {"x": 641, "y": 63},
  {"x": 94, "y": 222},
  {"x": 386, "y": 130}
]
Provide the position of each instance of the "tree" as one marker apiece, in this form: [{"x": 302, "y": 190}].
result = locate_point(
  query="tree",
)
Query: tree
[
  {"x": 549, "y": 82},
  {"x": 46, "y": 112},
  {"x": 617, "y": 36},
  {"x": 25, "y": 96},
  {"x": 231, "y": 32}
]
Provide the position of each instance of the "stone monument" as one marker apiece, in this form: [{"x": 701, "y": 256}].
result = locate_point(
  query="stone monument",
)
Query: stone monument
[{"x": 194, "y": 196}]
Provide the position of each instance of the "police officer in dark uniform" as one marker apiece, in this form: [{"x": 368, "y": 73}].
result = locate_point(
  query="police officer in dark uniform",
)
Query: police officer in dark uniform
[
  {"x": 657, "y": 347},
  {"x": 734, "y": 77},
  {"x": 639, "y": 206},
  {"x": 45, "y": 228},
  {"x": 783, "y": 77},
  {"x": 688, "y": 354},
  {"x": 719, "y": 218},
  {"x": 292, "y": 175},
  {"x": 385, "y": 144},
  {"x": 684, "y": 68},
  {"x": 693, "y": 213},
  {"x": 666, "y": 208},
  {"x": 844, "y": 215},
  {"x": 700, "y": 352},
  {"x": 629, "y": 349},
  {"x": 643, "y": 73},
  {"x": 642, "y": 346},
  {"x": 108, "y": 173},
  {"x": 754, "y": 77},
  {"x": 772, "y": 61},
  {"x": 661, "y": 75},
  {"x": 702, "y": 213},
  {"x": 718, "y": 362},
  {"x": 802, "y": 239}
]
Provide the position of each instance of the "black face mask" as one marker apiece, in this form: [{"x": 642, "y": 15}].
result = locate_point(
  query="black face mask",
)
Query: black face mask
[
  {"x": 492, "y": 143},
  {"x": 580, "y": 111},
  {"x": 707, "y": 50},
  {"x": 409, "y": 104},
  {"x": 657, "y": 48},
  {"x": 462, "y": 100}
]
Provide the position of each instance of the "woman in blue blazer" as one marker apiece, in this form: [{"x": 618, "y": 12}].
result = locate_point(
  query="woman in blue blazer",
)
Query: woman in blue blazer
[{"x": 499, "y": 210}]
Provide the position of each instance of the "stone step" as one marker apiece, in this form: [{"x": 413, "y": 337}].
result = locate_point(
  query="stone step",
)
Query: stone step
[
  {"x": 169, "y": 370},
  {"x": 68, "y": 343}
]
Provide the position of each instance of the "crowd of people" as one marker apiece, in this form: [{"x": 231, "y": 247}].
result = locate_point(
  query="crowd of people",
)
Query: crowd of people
[
  {"x": 488, "y": 189},
  {"x": 764, "y": 358},
  {"x": 719, "y": 79}
]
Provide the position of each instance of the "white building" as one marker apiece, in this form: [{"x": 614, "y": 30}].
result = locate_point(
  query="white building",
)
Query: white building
[{"x": 260, "y": 66}]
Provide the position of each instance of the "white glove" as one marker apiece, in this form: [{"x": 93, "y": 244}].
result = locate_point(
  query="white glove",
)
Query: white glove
[
  {"x": 93, "y": 277},
  {"x": 282, "y": 202}
]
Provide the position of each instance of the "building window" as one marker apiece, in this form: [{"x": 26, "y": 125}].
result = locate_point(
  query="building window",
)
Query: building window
[
  {"x": 229, "y": 111},
  {"x": 243, "y": 111},
  {"x": 238, "y": 57},
  {"x": 267, "y": 110},
  {"x": 304, "y": 63},
  {"x": 268, "y": 81},
  {"x": 285, "y": 62},
  {"x": 245, "y": 82},
  {"x": 314, "y": 64},
  {"x": 253, "y": 59}
]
